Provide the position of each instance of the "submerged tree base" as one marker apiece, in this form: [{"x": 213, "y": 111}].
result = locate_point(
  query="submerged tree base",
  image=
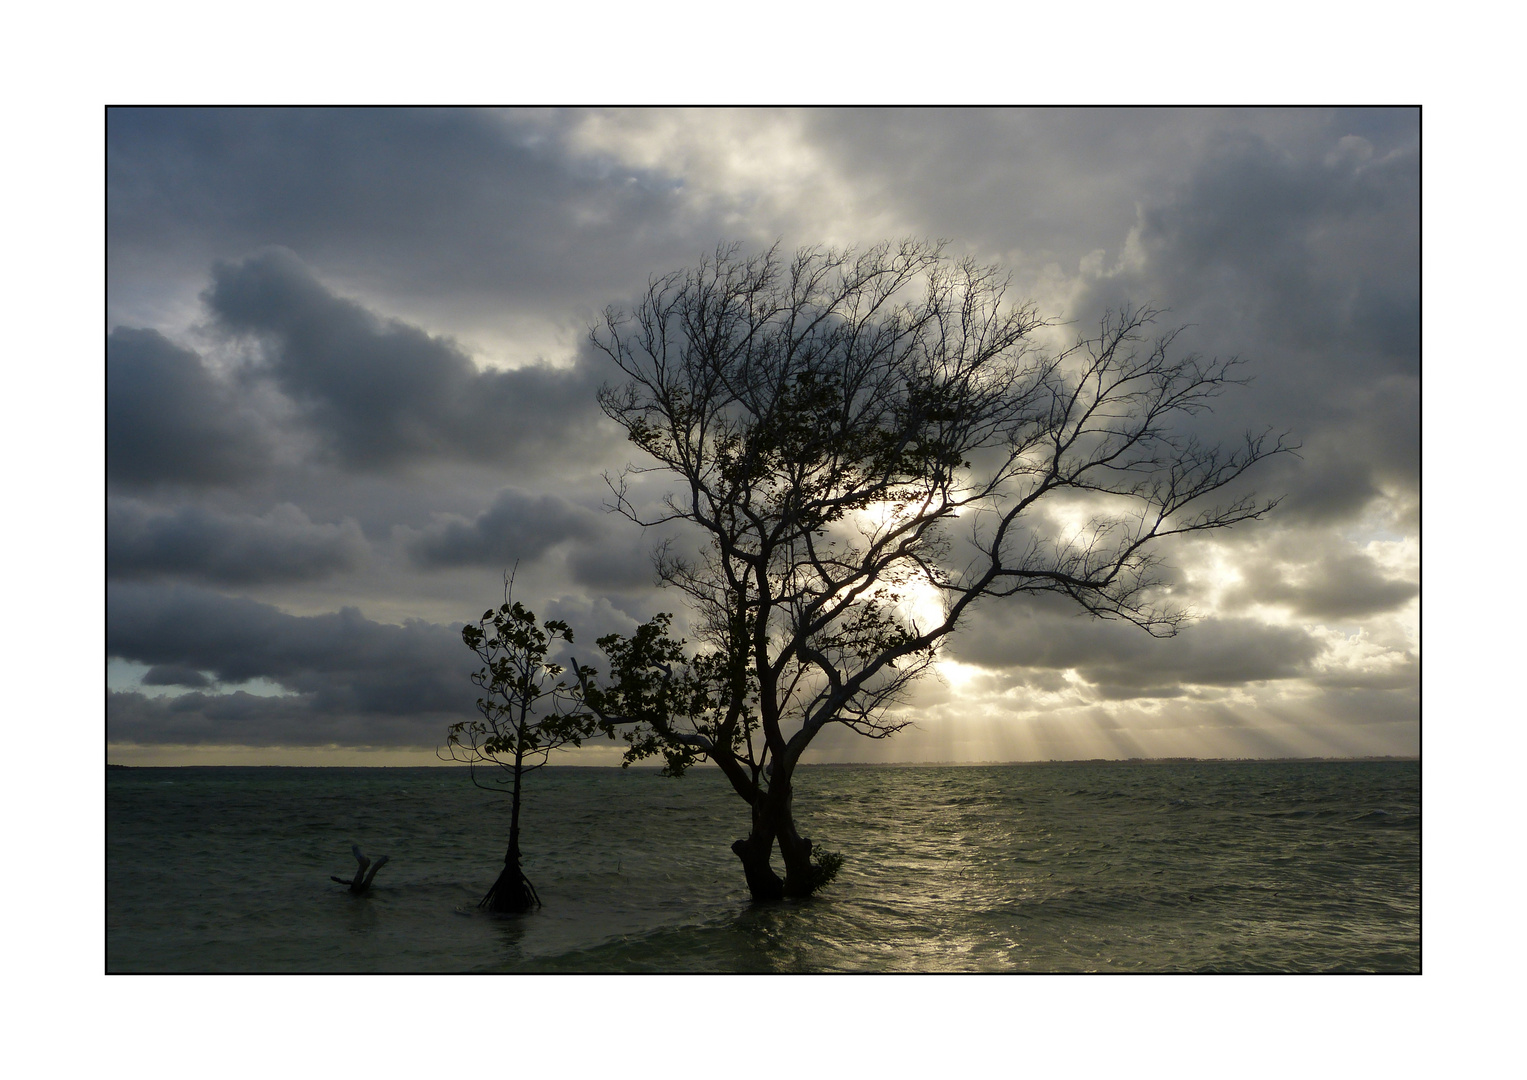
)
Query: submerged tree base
[
  {"x": 763, "y": 882},
  {"x": 766, "y": 885},
  {"x": 511, "y": 894}
]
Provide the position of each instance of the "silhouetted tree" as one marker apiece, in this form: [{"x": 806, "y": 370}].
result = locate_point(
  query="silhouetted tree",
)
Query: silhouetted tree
[
  {"x": 524, "y": 718},
  {"x": 864, "y": 439}
]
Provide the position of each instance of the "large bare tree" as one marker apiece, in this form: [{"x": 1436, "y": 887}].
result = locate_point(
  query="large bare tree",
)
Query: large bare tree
[{"x": 866, "y": 441}]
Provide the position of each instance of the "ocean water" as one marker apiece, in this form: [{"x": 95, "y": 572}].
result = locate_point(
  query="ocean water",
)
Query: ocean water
[{"x": 1060, "y": 867}]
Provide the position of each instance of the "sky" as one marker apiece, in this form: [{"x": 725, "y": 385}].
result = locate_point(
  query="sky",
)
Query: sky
[{"x": 348, "y": 384}]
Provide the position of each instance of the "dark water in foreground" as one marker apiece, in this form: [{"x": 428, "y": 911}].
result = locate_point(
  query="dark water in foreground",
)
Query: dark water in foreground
[{"x": 1254, "y": 866}]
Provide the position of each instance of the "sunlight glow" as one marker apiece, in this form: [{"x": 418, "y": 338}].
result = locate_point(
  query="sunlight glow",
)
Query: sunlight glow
[
  {"x": 922, "y": 604},
  {"x": 919, "y": 601},
  {"x": 1212, "y": 575},
  {"x": 959, "y": 676}
]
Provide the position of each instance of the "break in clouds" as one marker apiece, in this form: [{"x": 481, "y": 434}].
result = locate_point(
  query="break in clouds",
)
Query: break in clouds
[{"x": 349, "y": 386}]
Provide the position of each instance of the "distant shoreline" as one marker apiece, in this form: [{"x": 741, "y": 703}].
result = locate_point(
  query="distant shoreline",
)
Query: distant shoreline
[{"x": 873, "y": 764}]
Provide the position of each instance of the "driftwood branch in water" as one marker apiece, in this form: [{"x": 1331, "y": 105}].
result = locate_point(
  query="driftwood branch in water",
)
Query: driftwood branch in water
[{"x": 362, "y": 880}]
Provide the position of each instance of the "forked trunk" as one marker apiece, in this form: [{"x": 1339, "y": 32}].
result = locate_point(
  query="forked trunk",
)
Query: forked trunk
[{"x": 774, "y": 822}]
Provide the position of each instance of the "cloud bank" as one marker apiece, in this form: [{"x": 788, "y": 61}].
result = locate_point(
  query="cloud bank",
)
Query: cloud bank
[{"x": 348, "y": 386}]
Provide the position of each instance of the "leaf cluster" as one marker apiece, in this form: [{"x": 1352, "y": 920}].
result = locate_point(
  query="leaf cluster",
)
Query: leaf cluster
[
  {"x": 526, "y": 709},
  {"x": 661, "y": 701}
]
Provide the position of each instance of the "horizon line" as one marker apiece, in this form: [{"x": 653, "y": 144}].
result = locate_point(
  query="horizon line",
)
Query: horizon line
[{"x": 863, "y": 764}]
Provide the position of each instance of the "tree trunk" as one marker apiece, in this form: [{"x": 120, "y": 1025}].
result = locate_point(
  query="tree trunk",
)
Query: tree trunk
[
  {"x": 755, "y": 850},
  {"x": 512, "y": 893},
  {"x": 773, "y": 821},
  {"x": 800, "y": 877},
  {"x": 763, "y": 882},
  {"x": 794, "y": 848}
]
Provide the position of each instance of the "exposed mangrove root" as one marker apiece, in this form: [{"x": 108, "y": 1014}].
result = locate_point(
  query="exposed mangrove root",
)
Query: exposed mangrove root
[
  {"x": 511, "y": 894},
  {"x": 362, "y": 880}
]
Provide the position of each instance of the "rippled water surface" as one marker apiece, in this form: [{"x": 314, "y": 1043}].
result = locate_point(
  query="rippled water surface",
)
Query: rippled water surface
[{"x": 1254, "y": 866}]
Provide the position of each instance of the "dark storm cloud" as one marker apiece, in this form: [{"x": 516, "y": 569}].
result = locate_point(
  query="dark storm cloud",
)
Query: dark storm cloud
[
  {"x": 1319, "y": 249},
  {"x": 1124, "y": 661},
  {"x": 202, "y": 543},
  {"x": 517, "y": 526},
  {"x": 620, "y": 562},
  {"x": 176, "y": 675},
  {"x": 169, "y": 419},
  {"x": 468, "y": 208},
  {"x": 1302, "y": 257},
  {"x": 340, "y": 663},
  {"x": 382, "y": 393},
  {"x": 244, "y": 719},
  {"x": 1338, "y": 583}
]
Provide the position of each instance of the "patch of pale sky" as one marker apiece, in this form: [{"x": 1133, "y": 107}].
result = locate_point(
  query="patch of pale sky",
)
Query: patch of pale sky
[
  {"x": 520, "y": 339},
  {"x": 960, "y": 678},
  {"x": 745, "y": 167},
  {"x": 162, "y": 307},
  {"x": 1397, "y": 558},
  {"x": 1356, "y": 653},
  {"x": 1208, "y": 570},
  {"x": 127, "y": 676},
  {"x": 752, "y": 166},
  {"x": 921, "y": 603}
]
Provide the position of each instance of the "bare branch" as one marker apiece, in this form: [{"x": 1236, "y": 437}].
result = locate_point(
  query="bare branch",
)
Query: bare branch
[{"x": 831, "y": 422}]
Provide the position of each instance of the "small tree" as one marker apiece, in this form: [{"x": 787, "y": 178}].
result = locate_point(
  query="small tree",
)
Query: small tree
[
  {"x": 524, "y": 718},
  {"x": 866, "y": 441}
]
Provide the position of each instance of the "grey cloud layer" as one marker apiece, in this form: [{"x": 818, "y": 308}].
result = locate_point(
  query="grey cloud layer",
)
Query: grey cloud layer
[
  {"x": 605, "y": 552},
  {"x": 1047, "y": 635},
  {"x": 381, "y": 392},
  {"x": 244, "y": 719},
  {"x": 1339, "y": 585},
  {"x": 517, "y": 526},
  {"x": 1303, "y": 261},
  {"x": 169, "y": 419},
  {"x": 1288, "y": 237},
  {"x": 463, "y": 208},
  {"x": 238, "y": 549},
  {"x": 334, "y": 381},
  {"x": 342, "y": 667}
]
